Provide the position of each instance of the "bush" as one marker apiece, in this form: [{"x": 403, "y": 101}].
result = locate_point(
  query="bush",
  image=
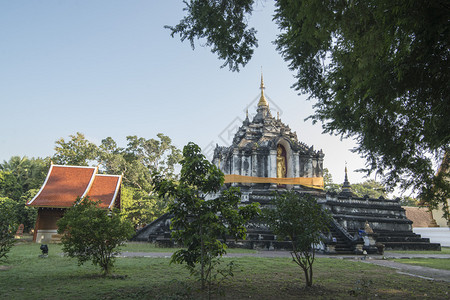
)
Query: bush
[
  {"x": 92, "y": 233},
  {"x": 8, "y": 226},
  {"x": 300, "y": 219}
]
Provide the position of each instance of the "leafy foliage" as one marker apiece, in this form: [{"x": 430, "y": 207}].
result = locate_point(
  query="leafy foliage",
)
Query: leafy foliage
[
  {"x": 20, "y": 179},
  {"x": 300, "y": 219},
  {"x": 137, "y": 162},
  {"x": 140, "y": 208},
  {"x": 78, "y": 151},
  {"x": 21, "y": 174},
  {"x": 408, "y": 201},
  {"x": 140, "y": 159},
  {"x": 92, "y": 233},
  {"x": 8, "y": 226},
  {"x": 201, "y": 225},
  {"x": 329, "y": 186},
  {"x": 371, "y": 188},
  {"x": 379, "y": 70},
  {"x": 223, "y": 24},
  {"x": 385, "y": 82}
]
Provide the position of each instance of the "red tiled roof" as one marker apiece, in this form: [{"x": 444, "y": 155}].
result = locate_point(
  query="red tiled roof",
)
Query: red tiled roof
[
  {"x": 65, "y": 183},
  {"x": 105, "y": 189},
  {"x": 421, "y": 216}
]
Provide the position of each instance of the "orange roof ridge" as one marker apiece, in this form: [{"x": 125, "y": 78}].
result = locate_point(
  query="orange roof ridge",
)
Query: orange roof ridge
[
  {"x": 105, "y": 188},
  {"x": 49, "y": 175},
  {"x": 90, "y": 182},
  {"x": 63, "y": 185}
]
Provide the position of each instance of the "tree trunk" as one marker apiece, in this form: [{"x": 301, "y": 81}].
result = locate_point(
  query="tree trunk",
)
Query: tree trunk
[
  {"x": 310, "y": 276},
  {"x": 202, "y": 259},
  {"x": 307, "y": 277}
]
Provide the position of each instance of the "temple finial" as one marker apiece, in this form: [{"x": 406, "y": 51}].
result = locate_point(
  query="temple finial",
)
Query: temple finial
[
  {"x": 262, "y": 99},
  {"x": 346, "y": 187}
]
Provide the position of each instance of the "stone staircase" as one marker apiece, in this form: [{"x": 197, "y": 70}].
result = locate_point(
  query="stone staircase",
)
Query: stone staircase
[
  {"x": 157, "y": 232},
  {"x": 342, "y": 243},
  {"x": 406, "y": 240},
  {"x": 386, "y": 218},
  {"x": 56, "y": 238}
]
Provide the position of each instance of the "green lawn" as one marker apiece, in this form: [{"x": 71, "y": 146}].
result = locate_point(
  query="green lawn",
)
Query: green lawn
[
  {"x": 150, "y": 247},
  {"x": 443, "y": 264},
  {"x": 26, "y": 276},
  {"x": 444, "y": 250}
]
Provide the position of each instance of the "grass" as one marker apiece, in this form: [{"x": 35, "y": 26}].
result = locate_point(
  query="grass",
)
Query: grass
[
  {"x": 443, "y": 264},
  {"x": 25, "y": 276},
  {"x": 150, "y": 247},
  {"x": 444, "y": 250}
]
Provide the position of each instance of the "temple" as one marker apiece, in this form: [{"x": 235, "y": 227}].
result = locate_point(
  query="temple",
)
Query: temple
[
  {"x": 63, "y": 185},
  {"x": 265, "y": 153},
  {"x": 266, "y": 156}
]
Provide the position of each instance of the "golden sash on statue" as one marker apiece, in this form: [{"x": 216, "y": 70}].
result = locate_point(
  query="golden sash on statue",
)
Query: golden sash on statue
[{"x": 314, "y": 182}]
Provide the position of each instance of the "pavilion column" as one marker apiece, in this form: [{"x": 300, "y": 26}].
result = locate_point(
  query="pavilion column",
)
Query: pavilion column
[{"x": 36, "y": 226}]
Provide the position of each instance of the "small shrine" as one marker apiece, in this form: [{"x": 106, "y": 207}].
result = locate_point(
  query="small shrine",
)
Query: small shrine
[{"x": 62, "y": 187}]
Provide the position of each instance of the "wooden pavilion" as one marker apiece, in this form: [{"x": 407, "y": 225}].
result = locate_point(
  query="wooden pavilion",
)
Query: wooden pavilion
[{"x": 63, "y": 185}]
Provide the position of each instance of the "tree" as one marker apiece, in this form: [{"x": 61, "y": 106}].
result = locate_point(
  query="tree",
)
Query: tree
[
  {"x": 92, "y": 233},
  {"x": 140, "y": 159},
  {"x": 140, "y": 208},
  {"x": 8, "y": 226},
  {"x": 201, "y": 225},
  {"x": 78, "y": 151},
  {"x": 408, "y": 201},
  {"x": 20, "y": 179},
  {"x": 329, "y": 186},
  {"x": 21, "y": 174},
  {"x": 378, "y": 69},
  {"x": 137, "y": 162},
  {"x": 371, "y": 188},
  {"x": 300, "y": 219},
  {"x": 26, "y": 215}
]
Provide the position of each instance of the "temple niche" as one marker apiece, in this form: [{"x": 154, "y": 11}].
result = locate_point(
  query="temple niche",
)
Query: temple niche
[{"x": 266, "y": 153}]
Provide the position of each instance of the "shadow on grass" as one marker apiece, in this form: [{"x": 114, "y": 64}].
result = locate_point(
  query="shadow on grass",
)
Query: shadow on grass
[{"x": 174, "y": 289}]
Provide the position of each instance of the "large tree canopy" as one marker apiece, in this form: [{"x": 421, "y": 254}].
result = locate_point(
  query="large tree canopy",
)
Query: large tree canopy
[{"x": 378, "y": 69}]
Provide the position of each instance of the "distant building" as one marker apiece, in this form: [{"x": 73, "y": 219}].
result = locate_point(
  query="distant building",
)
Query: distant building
[{"x": 60, "y": 190}]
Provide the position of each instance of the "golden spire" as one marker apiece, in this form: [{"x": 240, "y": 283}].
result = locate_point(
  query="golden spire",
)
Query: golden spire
[{"x": 262, "y": 99}]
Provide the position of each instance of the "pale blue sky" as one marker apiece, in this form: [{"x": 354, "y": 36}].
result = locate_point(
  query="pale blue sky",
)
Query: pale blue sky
[{"x": 109, "y": 68}]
